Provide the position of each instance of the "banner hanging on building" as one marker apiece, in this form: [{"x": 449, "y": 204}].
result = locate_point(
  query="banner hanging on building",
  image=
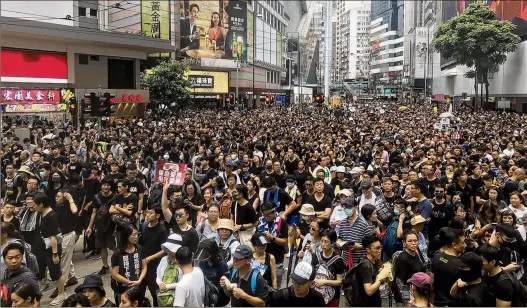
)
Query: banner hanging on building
[
  {"x": 170, "y": 173},
  {"x": 155, "y": 21},
  {"x": 214, "y": 29},
  {"x": 421, "y": 50}
]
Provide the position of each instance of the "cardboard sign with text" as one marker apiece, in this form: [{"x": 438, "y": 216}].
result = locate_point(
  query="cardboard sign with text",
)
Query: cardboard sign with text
[{"x": 170, "y": 173}]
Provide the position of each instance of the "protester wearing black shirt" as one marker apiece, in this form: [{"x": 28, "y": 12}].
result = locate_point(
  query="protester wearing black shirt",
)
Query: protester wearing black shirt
[
  {"x": 102, "y": 225},
  {"x": 244, "y": 214},
  {"x": 74, "y": 166},
  {"x": 301, "y": 293},
  {"x": 194, "y": 200},
  {"x": 441, "y": 211},
  {"x": 278, "y": 196},
  {"x": 49, "y": 229},
  {"x": 275, "y": 229},
  {"x": 135, "y": 185},
  {"x": 320, "y": 201},
  {"x": 124, "y": 203},
  {"x": 178, "y": 222},
  {"x": 409, "y": 261},
  {"x": 471, "y": 289},
  {"x": 445, "y": 266},
  {"x": 114, "y": 175},
  {"x": 370, "y": 278},
  {"x": 153, "y": 236}
]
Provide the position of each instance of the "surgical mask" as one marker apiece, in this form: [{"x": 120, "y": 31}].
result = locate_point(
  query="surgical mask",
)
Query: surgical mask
[
  {"x": 290, "y": 184},
  {"x": 42, "y": 175},
  {"x": 439, "y": 195},
  {"x": 349, "y": 212},
  {"x": 166, "y": 157},
  {"x": 396, "y": 212}
]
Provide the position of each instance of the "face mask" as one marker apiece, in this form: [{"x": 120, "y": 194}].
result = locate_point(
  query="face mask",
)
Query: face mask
[
  {"x": 349, "y": 212},
  {"x": 439, "y": 195},
  {"x": 396, "y": 212},
  {"x": 42, "y": 175},
  {"x": 55, "y": 179},
  {"x": 166, "y": 157},
  {"x": 268, "y": 167},
  {"x": 290, "y": 184},
  {"x": 86, "y": 173}
]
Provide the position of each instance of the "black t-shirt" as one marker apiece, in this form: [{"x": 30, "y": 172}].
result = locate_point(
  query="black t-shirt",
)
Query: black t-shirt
[
  {"x": 59, "y": 159},
  {"x": 130, "y": 264},
  {"x": 291, "y": 166},
  {"x": 91, "y": 188},
  {"x": 102, "y": 218},
  {"x": 115, "y": 177},
  {"x": 136, "y": 186},
  {"x": 243, "y": 214},
  {"x": 476, "y": 295},
  {"x": 336, "y": 268},
  {"x": 500, "y": 288},
  {"x": 367, "y": 273},
  {"x": 198, "y": 201},
  {"x": 260, "y": 291},
  {"x": 67, "y": 220},
  {"x": 430, "y": 186},
  {"x": 445, "y": 268},
  {"x": 407, "y": 265},
  {"x": 75, "y": 168},
  {"x": 273, "y": 248},
  {"x": 280, "y": 179},
  {"x": 190, "y": 237},
  {"x": 300, "y": 178},
  {"x": 49, "y": 224},
  {"x": 125, "y": 201},
  {"x": 13, "y": 221},
  {"x": 465, "y": 196},
  {"x": 319, "y": 205},
  {"x": 282, "y": 200},
  {"x": 287, "y": 298},
  {"x": 152, "y": 238}
]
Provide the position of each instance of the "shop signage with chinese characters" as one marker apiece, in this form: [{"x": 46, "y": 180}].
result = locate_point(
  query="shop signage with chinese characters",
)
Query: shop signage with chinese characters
[
  {"x": 27, "y": 96},
  {"x": 34, "y": 108},
  {"x": 121, "y": 95},
  {"x": 201, "y": 81}
]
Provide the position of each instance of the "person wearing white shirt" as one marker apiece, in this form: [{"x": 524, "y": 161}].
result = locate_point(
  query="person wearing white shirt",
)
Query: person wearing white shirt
[{"x": 190, "y": 290}]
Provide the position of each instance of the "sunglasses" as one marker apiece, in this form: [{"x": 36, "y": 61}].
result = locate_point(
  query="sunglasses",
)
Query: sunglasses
[{"x": 179, "y": 215}]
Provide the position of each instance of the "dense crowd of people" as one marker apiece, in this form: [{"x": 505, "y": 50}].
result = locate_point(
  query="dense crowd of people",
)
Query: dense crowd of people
[{"x": 286, "y": 206}]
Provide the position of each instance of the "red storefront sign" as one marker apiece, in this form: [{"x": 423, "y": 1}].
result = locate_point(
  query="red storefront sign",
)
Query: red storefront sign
[
  {"x": 33, "y": 66},
  {"x": 128, "y": 98},
  {"x": 25, "y": 96},
  {"x": 170, "y": 173}
]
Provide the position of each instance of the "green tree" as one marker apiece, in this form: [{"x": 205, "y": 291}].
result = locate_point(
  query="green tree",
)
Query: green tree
[
  {"x": 167, "y": 84},
  {"x": 477, "y": 39}
]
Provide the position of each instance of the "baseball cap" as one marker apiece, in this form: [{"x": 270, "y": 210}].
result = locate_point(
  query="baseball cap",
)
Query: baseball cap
[
  {"x": 366, "y": 184},
  {"x": 421, "y": 280},
  {"x": 417, "y": 219},
  {"x": 333, "y": 169},
  {"x": 349, "y": 203},
  {"x": 356, "y": 170},
  {"x": 345, "y": 192},
  {"x": 259, "y": 239},
  {"x": 242, "y": 252},
  {"x": 303, "y": 273}
]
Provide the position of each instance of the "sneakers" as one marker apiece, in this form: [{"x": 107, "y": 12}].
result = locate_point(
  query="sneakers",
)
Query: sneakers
[
  {"x": 55, "y": 293},
  {"x": 71, "y": 282},
  {"x": 59, "y": 300},
  {"x": 43, "y": 285},
  {"x": 96, "y": 257},
  {"x": 104, "y": 271}
]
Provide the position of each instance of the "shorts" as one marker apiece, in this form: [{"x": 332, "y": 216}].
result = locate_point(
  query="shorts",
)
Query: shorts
[
  {"x": 83, "y": 220},
  {"x": 293, "y": 219},
  {"x": 105, "y": 240},
  {"x": 55, "y": 271}
]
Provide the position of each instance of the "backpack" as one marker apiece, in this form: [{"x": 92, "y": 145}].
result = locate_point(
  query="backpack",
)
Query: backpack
[
  {"x": 155, "y": 195},
  {"x": 31, "y": 259},
  {"x": 171, "y": 275},
  {"x": 351, "y": 285},
  {"x": 225, "y": 208},
  {"x": 8, "y": 286},
  {"x": 390, "y": 242},
  {"x": 520, "y": 291},
  {"x": 212, "y": 294},
  {"x": 102, "y": 216},
  {"x": 322, "y": 272},
  {"x": 254, "y": 279}
]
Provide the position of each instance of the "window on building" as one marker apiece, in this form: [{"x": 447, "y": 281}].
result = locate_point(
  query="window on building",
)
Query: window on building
[
  {"x": 83, "y": 59},
  {"x": 82, "y": 11},
  {"x": 93, "y": 13},
  {"x": 268, "y": 76}
]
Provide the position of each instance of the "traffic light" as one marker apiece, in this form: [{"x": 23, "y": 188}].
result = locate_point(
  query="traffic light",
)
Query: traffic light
[
  {"x": 319, "y": 98},
  {"x": 94, "y": 103},
  {"x": 231, "y": 97},
  {"x": 72, "y": 106},
  {"x": 100, "y": 106},
  {"x": 268, "y": 99}
]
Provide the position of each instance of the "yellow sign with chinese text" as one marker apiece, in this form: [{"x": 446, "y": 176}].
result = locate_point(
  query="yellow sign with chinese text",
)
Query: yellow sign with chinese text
[
  {"x": 208, "y": 82},
  {"x": 155, "y": 21}
]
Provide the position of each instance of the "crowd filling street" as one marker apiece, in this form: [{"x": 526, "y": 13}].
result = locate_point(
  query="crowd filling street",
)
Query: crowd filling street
[{"x": 283, "y": 206}]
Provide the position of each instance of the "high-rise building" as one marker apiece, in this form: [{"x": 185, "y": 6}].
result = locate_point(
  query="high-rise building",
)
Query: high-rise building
[
  {"x": 386, "y": 46},
  {"x": 352, "y": 40}
]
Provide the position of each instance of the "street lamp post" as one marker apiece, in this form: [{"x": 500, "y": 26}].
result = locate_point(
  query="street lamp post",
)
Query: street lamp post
[{"x": 237, "y": 80}]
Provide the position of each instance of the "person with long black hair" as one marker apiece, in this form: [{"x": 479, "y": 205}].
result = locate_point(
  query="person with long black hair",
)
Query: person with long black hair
[
  {"x": 128, "y": 264},
  {"x": 25, "y": 296},
  {"x": 134, "y": 297},
  {"x": 212, "y": 266}
]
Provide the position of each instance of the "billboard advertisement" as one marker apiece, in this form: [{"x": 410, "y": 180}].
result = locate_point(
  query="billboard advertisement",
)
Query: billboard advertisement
[
  {"x": 155, "y": 21},
  {"x": 421, "y": 48},
  {"x": 214, "y": 29},
  {"x": 208, "y": 82}
]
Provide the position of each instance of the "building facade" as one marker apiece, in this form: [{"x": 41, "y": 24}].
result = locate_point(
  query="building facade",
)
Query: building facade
[{"x": 386, "y": 47}]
